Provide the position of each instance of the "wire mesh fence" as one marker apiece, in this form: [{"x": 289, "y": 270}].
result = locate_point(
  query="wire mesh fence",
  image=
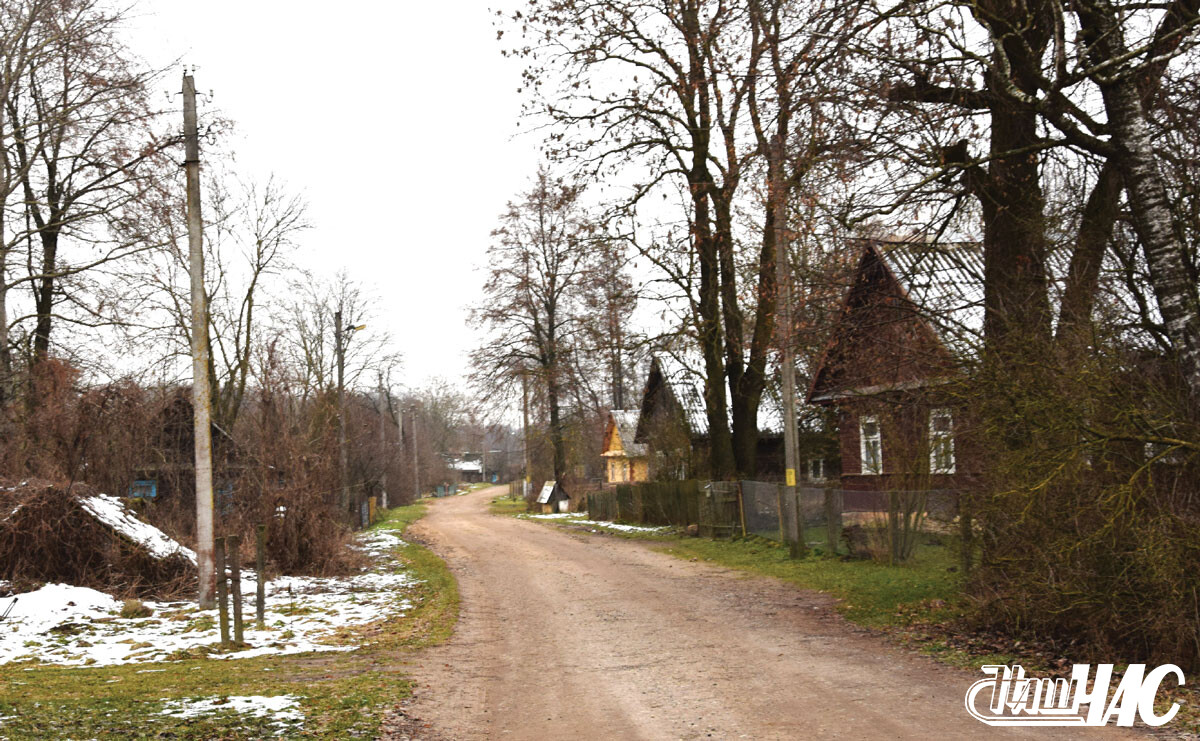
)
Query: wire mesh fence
[{"x": 879, "y": 524}]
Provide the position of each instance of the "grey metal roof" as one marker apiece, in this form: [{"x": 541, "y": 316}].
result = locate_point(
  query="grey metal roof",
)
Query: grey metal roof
[
  {"x": 945, "y": 283},
  {"x": 626, "y": 421},
  {"x": 684, "y": 374},
  {"x": 687, "y": 386}
]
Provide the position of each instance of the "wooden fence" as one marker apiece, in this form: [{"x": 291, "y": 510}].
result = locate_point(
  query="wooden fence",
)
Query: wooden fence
[
  {"x": 728, "y": 508},
  {"x": 713, "y": 507}
]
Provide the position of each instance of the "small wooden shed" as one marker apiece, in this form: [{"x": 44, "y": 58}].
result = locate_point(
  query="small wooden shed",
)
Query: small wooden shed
[{"x": 553, "y": 498}]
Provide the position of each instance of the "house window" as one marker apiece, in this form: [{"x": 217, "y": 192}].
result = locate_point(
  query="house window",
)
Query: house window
[
  {"x": 941, "y": 441},
  {"x": 816, "y": 469},
  {"x": 870, "y": 445}
]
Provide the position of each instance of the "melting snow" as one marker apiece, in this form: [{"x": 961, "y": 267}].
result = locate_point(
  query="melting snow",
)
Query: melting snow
[
  {"x": 556, "y": 516},
  {"x": 378, "y": 543},
  {"x": 283, "y": 710},
  {"x": 629, "y": 528},
  {"x": 64, "y": 624},
  {"x": 581, "y": 518},
  {"x": 113, "y": 513}
]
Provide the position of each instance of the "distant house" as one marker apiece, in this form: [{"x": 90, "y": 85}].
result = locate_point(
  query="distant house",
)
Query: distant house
[
  {"x": 912, "y": 311},
  {"x": 625, "y": 461},
  {"x": 672, "y": 423},
  {"x": 169, "y": 468},
  {"x": 470, "y": 471}
]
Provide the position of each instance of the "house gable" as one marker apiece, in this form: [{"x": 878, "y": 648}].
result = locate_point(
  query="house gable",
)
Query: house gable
[{"x": 882, "y": 339}]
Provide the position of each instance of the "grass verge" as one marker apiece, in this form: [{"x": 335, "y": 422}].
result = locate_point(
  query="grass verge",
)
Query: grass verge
[
  {"x": 502, "y": 505},
  {"x": 342, "y": 695}
]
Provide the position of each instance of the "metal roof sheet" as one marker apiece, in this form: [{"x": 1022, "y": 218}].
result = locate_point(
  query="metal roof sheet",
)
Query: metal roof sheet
[
  {"x": 945, "y": 283},
  {"x": 626, "y": 421}
]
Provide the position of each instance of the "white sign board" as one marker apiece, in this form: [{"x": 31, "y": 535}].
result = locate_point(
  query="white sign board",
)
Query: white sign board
[{"x": 547, "y": 490}]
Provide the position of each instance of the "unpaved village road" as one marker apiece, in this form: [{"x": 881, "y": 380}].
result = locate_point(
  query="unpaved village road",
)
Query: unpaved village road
[{"x": 577, "y": 636}]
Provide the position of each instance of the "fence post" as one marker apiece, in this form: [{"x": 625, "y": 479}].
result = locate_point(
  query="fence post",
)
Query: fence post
[
  {"x": 833, "y": 520},
  {"x": 966, "y": 532},
  {"x": 782, "y": 514},
  {"x": 894, "y": 525},
  {"x": 222, "y": 590},
  {"x": 235, "y": 584},
  {"x": 741, "y": 508},
  {"x": 260, "y": 568}
]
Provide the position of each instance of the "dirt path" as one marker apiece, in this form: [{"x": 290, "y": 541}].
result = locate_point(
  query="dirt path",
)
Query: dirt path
[{"x": 566, "y": 636}]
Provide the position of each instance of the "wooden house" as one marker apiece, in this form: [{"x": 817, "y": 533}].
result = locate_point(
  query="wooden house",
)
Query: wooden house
[
  {"x": 673, "y": 425},
  {"x": 912, "y": 312},
  {"x": 625, "y": 461}
]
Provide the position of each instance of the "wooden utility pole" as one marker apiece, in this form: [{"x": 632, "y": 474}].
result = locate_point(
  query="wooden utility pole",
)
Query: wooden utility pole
[
  {"x": 343, "y": 473},
  {"x": 416, "y": 467},
  {"x": 525, "y": 432},
  {"x": 201, "y": 399},
  {"x": 483, "y": 456},
  {"x": 787, "y": 363},
  {"x": 383, "y": 408}
]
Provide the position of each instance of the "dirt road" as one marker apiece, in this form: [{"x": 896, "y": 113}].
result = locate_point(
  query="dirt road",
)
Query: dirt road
[{"x": 575, "y": 636}]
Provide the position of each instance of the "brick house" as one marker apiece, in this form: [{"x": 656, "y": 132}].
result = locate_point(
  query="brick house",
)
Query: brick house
[{"x": 912, "y": 312}]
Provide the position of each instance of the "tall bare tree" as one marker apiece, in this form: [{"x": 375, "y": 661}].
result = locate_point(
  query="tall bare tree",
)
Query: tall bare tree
[
  {"x": 542, "y": 259},
  {"x": 84, "y": 147}
]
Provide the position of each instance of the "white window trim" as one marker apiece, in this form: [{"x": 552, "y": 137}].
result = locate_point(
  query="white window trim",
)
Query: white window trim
[
  {"x": 862, "y": 446},
  {"x": 820, "y": 466},
  {"x": 934, "y": 436}
]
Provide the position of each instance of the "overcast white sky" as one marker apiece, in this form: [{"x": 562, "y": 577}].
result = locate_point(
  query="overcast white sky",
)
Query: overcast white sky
[{"x": 394, "y": 119}]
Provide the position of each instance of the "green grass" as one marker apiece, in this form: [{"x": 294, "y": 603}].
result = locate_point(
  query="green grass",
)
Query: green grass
[
  {"x": 343, "y": 695},
  {"x": 505, "y": 506},
  {"x": 871, "y": 594}
]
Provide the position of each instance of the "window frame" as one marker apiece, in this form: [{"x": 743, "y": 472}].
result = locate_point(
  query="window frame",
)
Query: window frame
[
  {"x": 819, "y": 467},
  {"x": 937, "y": 436},
  {"x": 863, "y": 468}
]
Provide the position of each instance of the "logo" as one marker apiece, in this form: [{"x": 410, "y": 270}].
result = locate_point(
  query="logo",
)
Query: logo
[{"x": 1019, "y": 701}]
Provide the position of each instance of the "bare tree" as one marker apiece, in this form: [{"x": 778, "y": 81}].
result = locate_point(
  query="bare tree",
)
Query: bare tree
[
  {"x": 542, "y": 259},
  {"x": 84, "y": 148}
]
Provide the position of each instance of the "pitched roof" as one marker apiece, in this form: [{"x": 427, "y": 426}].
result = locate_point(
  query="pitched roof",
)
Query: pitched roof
[
  {"x": 687, "y": 386},
  {"x": 626, "y": 421},
  {"x": 683, "y": 376},
  {"x": 934, "y": 291},
  {"x": 944, "y": 282}
]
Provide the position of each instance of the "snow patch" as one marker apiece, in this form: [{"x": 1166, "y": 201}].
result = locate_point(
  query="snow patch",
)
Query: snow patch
[
  {"x": 379, "y": 543},
  {"x": 113, "y": 513},
  {"x": 283, "y": 710},
  {"x": 629, "y": 528},
  {"x": 77, "y": 626},
  {"x": 556, "y": 516}
]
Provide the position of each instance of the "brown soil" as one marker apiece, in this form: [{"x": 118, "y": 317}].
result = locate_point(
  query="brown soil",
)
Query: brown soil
[{"x": 566, "y": 635}]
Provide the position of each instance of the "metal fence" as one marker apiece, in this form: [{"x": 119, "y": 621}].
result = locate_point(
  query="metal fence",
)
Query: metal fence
[{"x": 831, "y": 519}]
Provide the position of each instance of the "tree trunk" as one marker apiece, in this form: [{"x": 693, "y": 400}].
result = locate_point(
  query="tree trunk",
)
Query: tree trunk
[
  {"x": 1171, "y": 277},
  {"x": 721, "y": 461},
  {"x": 700, "y": 183},
  {"x": 44, "y": 294},
  {"x": 743, "y": 398},
  {"x": 556, "y": 428},
  {"x": 1083, "y": 276},
  {"x": 1016, "y": 303}
]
